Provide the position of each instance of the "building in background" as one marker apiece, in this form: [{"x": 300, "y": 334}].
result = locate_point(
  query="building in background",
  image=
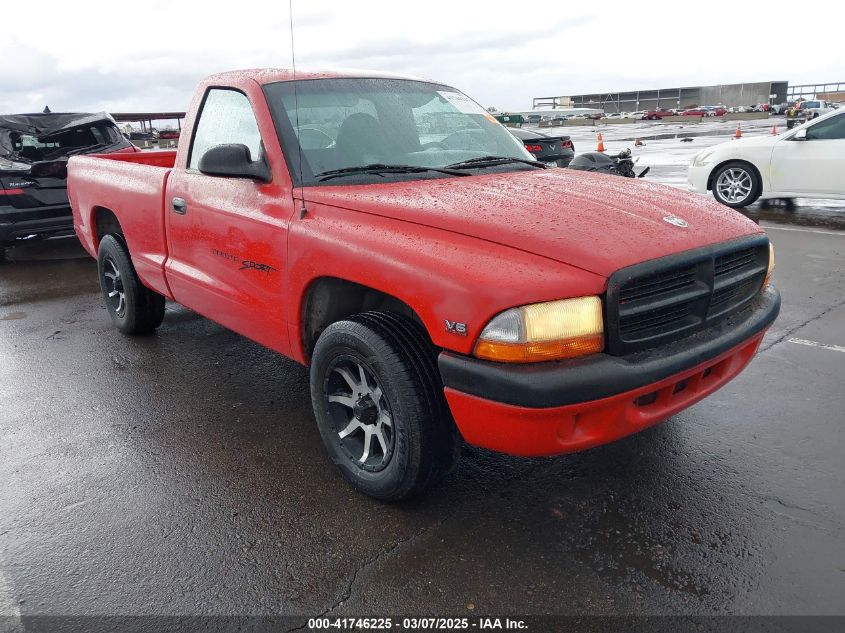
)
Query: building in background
[{"x": 728, "y": 95}]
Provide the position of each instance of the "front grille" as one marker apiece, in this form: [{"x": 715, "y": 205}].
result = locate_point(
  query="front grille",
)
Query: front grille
[
  {"x": 665, "y": 299},
  {"x": 653, "y": 285},
  {"x": 726, "y": 264}
]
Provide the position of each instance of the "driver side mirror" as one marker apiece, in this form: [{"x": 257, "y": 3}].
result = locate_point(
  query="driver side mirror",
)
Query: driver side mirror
[
  {"x": 800, "y": 135},
  {"x": 234, "y": 160}
]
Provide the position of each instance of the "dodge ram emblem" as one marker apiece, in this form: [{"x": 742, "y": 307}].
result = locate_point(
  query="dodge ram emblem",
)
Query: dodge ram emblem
[{"x": 674, "y": 220}]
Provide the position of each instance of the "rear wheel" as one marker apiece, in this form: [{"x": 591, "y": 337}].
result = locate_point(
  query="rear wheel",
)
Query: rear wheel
[
  {"x": 736, "y": 185},
  {"x": 133, "y": 308},
  {"x": 379, "y": 405}
]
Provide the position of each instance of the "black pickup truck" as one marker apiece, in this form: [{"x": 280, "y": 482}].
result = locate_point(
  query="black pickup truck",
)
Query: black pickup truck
[{"x": 34, "y": 149}]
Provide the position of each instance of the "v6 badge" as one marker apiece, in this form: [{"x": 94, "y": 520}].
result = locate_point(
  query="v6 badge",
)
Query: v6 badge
[{"x": 456, "y": 327}]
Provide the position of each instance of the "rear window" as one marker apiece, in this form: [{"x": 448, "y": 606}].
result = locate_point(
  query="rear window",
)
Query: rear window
[{"x": 52, "y": 147}]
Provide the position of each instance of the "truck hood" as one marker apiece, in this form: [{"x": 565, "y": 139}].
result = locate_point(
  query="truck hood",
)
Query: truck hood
[{"x": 595, "y": 222}]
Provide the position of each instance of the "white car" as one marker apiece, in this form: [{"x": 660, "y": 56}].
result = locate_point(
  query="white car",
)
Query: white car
[{"x": 806, "y": 162}]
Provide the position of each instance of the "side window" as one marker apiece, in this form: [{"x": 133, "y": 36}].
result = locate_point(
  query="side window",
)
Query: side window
[
  {"x": 99, "y": 136},
  {"x": 832, "y": 128},
  {"x": 226, "y": 117}
]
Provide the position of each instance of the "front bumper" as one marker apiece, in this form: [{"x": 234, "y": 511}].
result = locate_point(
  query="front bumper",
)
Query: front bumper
[
  {"x": 567, "y": 406},
  {"x": 697, "y": 178}
]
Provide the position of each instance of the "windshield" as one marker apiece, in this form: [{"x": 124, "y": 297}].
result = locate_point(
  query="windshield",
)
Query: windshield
[{"x": 348, "y": 123}]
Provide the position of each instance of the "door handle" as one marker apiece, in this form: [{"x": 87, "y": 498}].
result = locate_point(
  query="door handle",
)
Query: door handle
[{"x": 179, "y": 206}]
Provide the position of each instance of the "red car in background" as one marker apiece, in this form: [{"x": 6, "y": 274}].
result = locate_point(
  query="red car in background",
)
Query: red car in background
[
  {"x": 654, "y": 115},
  {"x": 705, "y": 111}
]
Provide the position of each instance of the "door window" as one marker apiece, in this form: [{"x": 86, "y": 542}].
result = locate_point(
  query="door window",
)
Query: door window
[
  {"x": 832, "y": 128},
  {"x": 226, "y": 117}
]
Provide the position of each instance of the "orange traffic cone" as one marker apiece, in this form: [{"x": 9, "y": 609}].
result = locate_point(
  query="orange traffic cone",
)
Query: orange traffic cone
[
  {"x": 774, "y": 130},
  {"x": 600, "y": 147},
  {"x": 738, "y": 132}
]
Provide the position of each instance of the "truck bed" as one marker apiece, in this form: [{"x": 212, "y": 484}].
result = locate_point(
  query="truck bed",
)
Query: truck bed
[
  {"x": 161, "y": 158},
  {"x": 131, "y": 186}
]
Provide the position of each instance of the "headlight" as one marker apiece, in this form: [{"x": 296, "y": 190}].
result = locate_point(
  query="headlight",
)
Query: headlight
[
  {"x": 702, "y": 158},
  {"x": 771, "y": 265},
  {"x": 544, "y": 331}
]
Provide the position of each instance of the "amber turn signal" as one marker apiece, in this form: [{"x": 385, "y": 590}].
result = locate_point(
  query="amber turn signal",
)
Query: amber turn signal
[{"x": 771, "y": 266}]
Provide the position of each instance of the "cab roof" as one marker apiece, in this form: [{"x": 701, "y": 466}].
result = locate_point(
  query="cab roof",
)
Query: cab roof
[{"x": 273, "y": 75}]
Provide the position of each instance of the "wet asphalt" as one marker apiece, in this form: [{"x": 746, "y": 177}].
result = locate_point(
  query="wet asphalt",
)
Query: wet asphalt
[{"x": 183, "y": 474}]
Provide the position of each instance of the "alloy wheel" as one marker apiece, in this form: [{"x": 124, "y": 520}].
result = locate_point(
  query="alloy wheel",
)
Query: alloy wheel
[
  {"x": 360, "y": 413},
  {"x": 734, "y": 184},
  {"x": 115, "y": 291}
]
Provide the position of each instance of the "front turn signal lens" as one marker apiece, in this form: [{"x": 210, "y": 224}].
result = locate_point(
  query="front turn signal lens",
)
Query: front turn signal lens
[
  {"x": 544, "y": 331},
  {"x": 771, "y": 266}
]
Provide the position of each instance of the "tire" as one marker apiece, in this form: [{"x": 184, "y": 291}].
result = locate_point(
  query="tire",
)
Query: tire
[
  {"x": 736, "y": 184},
  {"x": 393, "y": 437},
  {"x": 133, "y": 308}
]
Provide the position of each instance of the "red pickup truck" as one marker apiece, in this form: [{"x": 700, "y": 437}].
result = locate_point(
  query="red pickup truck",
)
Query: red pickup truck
[{"x": 440, "y": 284}]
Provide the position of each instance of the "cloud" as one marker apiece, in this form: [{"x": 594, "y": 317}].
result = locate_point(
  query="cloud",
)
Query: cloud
[{"x": 95, "y": 59}]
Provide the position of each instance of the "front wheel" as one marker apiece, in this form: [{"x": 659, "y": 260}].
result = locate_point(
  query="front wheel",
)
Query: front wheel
[
  {"x": 379, "y": 405},
  {"x": 133, "y": 308},
  {"x": 736, "y": 185}
]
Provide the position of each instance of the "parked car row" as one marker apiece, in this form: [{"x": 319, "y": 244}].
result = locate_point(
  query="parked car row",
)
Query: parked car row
[
  {"x": 154, "y": 135},
  {"x": 807, "y": 109}
]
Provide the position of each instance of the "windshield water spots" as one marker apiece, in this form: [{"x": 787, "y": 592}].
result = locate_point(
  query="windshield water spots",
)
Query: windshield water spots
[{"x": 346, "y": 123}]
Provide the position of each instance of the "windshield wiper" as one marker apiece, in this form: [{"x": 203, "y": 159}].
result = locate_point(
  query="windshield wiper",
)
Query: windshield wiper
[
  {"x": 492, "y": 161},
  {"x": 380, "y": 168}
]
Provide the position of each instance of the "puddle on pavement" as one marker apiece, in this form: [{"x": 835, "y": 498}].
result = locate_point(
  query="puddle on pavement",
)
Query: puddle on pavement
[
  {"x": 13, "y": 316},
  {"x": 670, "y": 135},
  {"x": 816, "y": 214}
]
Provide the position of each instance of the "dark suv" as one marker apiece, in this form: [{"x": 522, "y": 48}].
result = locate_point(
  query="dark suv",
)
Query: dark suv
[{"x": 34, "y": 149}]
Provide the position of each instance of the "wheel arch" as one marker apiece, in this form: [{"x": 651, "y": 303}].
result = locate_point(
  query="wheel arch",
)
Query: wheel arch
[
  {"x": 734, "y": 160},
  {"x": 104, "y": 222},
  {"x": 328, "y": 299}
]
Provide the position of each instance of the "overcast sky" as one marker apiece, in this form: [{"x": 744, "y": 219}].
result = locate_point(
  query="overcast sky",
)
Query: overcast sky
[{"x": 103, "y": 55}]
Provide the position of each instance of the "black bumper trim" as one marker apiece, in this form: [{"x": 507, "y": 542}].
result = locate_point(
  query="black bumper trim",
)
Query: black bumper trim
[
  {"x": 559, "y": 383},
  {"x": 60, "y": 223}
]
